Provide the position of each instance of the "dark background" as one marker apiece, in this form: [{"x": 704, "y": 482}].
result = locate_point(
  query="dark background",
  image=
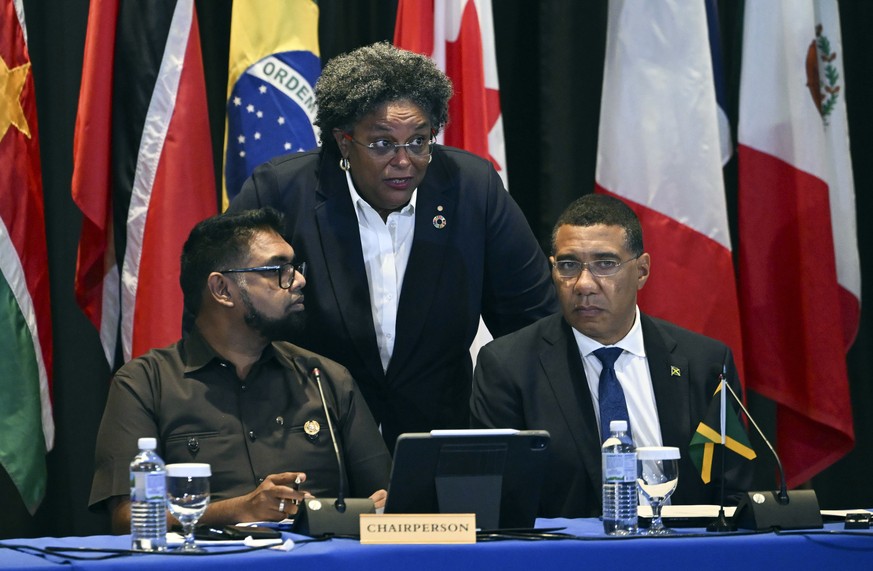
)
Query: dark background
[{"x": 550, "y": 60}]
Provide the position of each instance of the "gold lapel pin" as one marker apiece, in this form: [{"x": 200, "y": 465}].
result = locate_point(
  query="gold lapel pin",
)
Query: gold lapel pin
[
  {"x": 674, "y": 371},
  {"x": 311, "y": 428}
]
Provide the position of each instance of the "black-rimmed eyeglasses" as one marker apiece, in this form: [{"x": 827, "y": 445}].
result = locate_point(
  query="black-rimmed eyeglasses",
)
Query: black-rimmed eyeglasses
[
  {"x": 285, "y": 272},
  {"x": 571, "y": 269},
  {"x": 420, "y": 146}
]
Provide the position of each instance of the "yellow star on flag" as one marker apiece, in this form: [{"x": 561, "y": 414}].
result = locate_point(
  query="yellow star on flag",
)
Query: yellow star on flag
[{"x": 11, "y": 84}]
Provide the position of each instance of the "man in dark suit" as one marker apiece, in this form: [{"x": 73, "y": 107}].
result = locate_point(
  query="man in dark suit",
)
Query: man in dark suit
[
  {"x": 546, "y": 376},
  {"x": 406, "y": 242}
]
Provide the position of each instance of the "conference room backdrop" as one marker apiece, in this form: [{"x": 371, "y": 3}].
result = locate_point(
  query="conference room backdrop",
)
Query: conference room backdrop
[{"x": 550, "y": 62}]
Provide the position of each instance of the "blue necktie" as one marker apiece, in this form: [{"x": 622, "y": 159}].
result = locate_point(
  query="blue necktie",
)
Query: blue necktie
[{"x": 612, "y": 403}]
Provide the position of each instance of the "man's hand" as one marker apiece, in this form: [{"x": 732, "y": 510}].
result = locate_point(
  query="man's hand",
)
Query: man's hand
[
  {"x": 379, "y": 497},
  {"x": 275, "y": 499}
]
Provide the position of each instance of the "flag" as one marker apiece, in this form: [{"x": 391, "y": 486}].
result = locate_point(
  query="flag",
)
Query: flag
[
  {"x": 459, "y": 36},
  {"x": 726, "y": 143},
  {"x": 721, "y": 426},
  {"x": 659, "y": 151},
  {"x": 142, "y": 168},
  {"x": 26, "y": 425},
  {"x": 273, "y": 66},
  {"x": 796, "y": 205}
]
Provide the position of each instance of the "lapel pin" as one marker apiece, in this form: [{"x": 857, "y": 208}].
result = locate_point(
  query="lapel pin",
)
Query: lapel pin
[
  {"x": 674, "y": 371},
  {"x": 311, "y": 428},
  {"x": 439, "y": 221}
]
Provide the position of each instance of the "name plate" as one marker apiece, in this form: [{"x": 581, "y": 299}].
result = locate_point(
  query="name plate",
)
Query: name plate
[{"x": 418, "y": 528}]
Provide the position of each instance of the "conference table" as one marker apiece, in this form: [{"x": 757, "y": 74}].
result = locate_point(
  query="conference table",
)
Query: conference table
[{"x": 585, "y": 547}]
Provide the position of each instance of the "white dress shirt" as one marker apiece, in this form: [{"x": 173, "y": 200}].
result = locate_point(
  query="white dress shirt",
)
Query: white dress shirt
[
  {"x": 386, "y": 246},
  {"x": 632, "y": 370}
]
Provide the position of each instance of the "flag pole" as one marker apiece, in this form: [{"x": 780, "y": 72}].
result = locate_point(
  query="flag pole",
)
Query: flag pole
[{"x": 721, "y": 524}]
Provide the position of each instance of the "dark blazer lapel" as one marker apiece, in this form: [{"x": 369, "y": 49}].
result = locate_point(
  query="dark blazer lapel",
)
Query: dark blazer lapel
[
  {"x": 669, "y": 372},
  {"x": 566, "y": 377},
  {"x": 436, "y": 196},
  {"x": 341, "y": 247}
]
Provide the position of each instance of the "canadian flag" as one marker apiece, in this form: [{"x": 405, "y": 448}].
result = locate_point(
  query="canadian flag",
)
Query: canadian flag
[
  {"x": 459, "y": 36},
  {"x": 799, "y": 270},
  {"x": 658, "y": 150}
]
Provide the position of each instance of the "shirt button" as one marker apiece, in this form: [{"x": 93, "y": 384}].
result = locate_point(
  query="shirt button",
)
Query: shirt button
[{"x": 252, "y": 435}]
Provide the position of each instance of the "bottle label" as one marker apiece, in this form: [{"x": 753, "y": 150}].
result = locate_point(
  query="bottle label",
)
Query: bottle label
[
  {"x": 148, "y": 486},
  {"x": 619, "y": 468}
]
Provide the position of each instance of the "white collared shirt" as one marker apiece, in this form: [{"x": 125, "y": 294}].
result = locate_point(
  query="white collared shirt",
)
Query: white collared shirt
[
  {"x": 386, "y": 247},
  {"x": 632, "y": 370}
]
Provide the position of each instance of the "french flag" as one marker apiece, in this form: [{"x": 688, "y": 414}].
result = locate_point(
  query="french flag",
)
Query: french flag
[{"x": 659, "y": 150}]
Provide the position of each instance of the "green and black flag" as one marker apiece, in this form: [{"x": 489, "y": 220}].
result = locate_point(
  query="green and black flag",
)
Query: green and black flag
[{"x": 718, "y": 427}]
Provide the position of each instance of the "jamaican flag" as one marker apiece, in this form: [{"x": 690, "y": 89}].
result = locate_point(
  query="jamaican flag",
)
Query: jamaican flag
[{"x": 709, "y": 433}]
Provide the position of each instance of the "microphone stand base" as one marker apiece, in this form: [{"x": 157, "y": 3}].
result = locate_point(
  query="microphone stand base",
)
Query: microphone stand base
[
  {"x": 763, "y": 510},
  {"x": 317, "y": 517},
  {"x": 721, "y": 524}
]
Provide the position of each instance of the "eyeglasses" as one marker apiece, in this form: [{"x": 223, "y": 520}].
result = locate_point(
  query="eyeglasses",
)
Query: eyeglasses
[
  {"x": 571, "y": 269},
  {"x": 418, "y": 147},
  {"x": 285, "y": 272}
]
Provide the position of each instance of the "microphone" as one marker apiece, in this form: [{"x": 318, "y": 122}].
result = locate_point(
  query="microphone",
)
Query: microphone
[
  {"x": 783, "y": 508},
  {"x": 330, "y": 516},
  {"x": 340, "y": 503}
]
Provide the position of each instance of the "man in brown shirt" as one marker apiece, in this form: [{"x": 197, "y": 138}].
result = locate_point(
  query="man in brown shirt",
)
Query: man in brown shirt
[{"x": 231, "y": 395}]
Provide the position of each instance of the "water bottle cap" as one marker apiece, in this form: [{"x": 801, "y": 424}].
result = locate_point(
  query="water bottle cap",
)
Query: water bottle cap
[
  {"x": 618, "y": 426},
  {"x": 147, "y": 443}
]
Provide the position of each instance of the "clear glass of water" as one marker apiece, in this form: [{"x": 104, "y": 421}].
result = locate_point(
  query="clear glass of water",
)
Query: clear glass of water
[
  {"x": 657, "y": 478},
  {"x": 187, "y": 498}
]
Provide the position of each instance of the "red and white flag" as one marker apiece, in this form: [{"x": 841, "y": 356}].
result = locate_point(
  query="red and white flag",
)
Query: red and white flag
[
  {"x": 143, "y": 168},
  {"x": 26, "y": 427},
  {"x": 459, "y": 36},
  {"x": 799, "y": 271},
  {"x": 658, "y": 150}
]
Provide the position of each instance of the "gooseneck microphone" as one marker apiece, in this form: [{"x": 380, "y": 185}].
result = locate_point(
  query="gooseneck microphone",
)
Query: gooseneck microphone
[
  {"x": 319, "y": 517},
  {"x": 340, "y": 504},
  {"x": 782, "y": 509}
]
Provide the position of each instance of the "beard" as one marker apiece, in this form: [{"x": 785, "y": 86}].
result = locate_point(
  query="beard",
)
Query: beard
[{"x": 287, "y": 328}]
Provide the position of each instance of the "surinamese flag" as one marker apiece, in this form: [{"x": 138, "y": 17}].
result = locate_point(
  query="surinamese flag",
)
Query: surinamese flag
[
  {"x": 143, "y": 169},
  {"x": 659, "y": 151},
  {"x": 799, "y": 272},
  {"x": 273, "y": 66},
  {"x": 27, "y": 430}
]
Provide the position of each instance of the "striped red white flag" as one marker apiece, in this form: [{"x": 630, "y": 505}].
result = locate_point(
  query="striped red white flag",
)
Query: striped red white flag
[
  {"x": 659, "y": 151},
  {"x": 799, "y": 269},
  {"x": 143, "y": 168}
]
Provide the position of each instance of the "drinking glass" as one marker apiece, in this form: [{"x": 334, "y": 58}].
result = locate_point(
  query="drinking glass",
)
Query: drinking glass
[
  {"x": 657, "y": 477},
  {"x": 187, "y": 498}
]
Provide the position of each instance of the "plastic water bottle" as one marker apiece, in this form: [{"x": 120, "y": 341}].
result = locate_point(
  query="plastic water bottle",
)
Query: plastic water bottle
[
  {"x": 148, "y": 499},
  {"x": 619, "y": 461}
]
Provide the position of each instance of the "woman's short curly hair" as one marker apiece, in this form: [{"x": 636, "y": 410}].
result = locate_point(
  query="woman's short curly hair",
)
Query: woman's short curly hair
[{"x": 355, "y": 84}]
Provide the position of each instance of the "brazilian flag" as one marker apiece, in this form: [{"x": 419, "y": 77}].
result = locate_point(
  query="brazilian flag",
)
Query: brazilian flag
[{"x": 708, "y": 434}]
